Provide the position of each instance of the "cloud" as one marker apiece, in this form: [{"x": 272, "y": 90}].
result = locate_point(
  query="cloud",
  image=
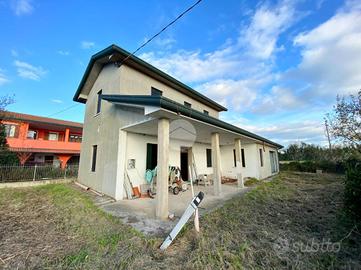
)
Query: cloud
[
  {"x": 3, "y": 78},
  {"x": 28, "y": 71},
  {"x": 87, "y": 44},
  {"x": 58, "y": 101},
  {"x": 268, "y": 23},
  {"x": 165, "y": 43},
  {"x": 14, "y": 53},
  {"x": 331, "y": 55},
  {"x": 22, "y": 7},
  {"x": 65, "y": 53}
]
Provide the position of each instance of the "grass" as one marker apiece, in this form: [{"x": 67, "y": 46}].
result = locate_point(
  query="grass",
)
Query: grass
[{"x": 263, "y": 229}]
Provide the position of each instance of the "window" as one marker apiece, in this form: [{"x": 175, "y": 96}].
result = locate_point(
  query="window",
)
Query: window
[
  {"x": 156, "y": 92},
  {"x": 32, "y": 134},
  {"x": 11, "y": 131},
  {"x": 206, "y": 112},
  {"x": 234, "y": 158},
  {"x": 261, "y": 156},
  {"x": 187, "y": 104},
  {"x": 209, "y": 157},
  {"x": 99, "y": 102},
  {"x": 53, "y": 136},
  {"x": 75, "y": 138},
  {"x": 94, "y": 158},
  {"x": 243, "y": 158}
]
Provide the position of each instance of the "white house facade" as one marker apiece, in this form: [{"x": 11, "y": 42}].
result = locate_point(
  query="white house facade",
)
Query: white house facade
[{"x": 137, "y": 115}]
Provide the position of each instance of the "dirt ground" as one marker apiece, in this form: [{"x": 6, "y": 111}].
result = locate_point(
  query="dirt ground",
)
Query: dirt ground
[{"x": 293, "y": 222}]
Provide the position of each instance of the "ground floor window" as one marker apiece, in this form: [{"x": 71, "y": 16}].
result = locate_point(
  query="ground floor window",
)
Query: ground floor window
[
  {"x": 242, "y": 158},
  {"x": 209, "y": 157},
  {"x": 261, "y": 156},
  {"x": 94, "y": 158}
]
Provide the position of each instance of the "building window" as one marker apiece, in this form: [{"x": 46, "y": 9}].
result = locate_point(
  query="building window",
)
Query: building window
[
  {"x": 94, "y": 158},
  {"x": 243, "y": 158},
  {"x": 99, "y": 101},
  {"x": 53, "y": 136},
  {"x": 32, "y": 134},
  {"x": 187, "y": 104},
  {"x": 206, "y": 112},
  {"x": 75, "y": 138},
  {"x": 234, "y": 158},
  {"x": 156, "y": 92},
  {"x": 261, "y": 156},
  {"x": 11, "y": 131},
  {"x": 209, "y": 157}
]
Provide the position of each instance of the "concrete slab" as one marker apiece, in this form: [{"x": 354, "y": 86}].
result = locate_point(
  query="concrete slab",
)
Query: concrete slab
[{"x": 140, "y": 213}]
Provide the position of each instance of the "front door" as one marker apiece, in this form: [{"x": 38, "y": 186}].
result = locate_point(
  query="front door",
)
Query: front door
[{"x": 184, "y": 163}]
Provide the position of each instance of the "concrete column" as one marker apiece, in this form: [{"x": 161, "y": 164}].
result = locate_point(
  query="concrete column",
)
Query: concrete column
[
  {"x": 162, "y": 169},
  {"x": 216, "y": 164},
  {"x": 238, "y": 148},
  {"x": 67, "y": 131},
  {"x": 121, "y": 165}
]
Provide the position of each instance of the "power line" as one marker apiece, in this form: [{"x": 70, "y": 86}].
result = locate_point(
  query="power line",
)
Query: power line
[
  {"x": 63, "y": 110},
  {"x": 161, "y": 31}
]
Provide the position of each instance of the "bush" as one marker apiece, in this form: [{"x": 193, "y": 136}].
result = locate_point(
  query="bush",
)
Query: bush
[
  {"x": 312, "y": 166},
  {"x": 352, "y": 194}
]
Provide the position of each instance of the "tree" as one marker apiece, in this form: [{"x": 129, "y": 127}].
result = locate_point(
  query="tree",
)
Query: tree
[
  {"x": 6, "y": 157},
  {"x": 345, "y": 120}
]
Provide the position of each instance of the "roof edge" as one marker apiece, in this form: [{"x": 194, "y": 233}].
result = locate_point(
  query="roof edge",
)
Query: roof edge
[{"x": 169, "y": 104}]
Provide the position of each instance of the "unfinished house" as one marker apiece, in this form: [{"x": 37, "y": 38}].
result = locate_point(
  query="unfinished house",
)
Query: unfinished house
[{"x": 139, "y": 118}]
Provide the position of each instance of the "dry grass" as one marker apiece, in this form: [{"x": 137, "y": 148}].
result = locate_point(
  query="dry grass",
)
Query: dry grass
[{"x": 57, "y": 226}]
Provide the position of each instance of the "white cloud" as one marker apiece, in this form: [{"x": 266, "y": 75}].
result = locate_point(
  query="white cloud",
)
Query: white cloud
[
  {"x": 65, "y": 53},
  {"x": 21, "y": 7},
  {"x": 331, "y": 55},
  {"x": 3, "y": 77},
  {"x": 260, "y": 37},
  {"x": 58, "y": 101},
  {"x": 87, "y": 44},
  {"x": 28, "y": 71}
]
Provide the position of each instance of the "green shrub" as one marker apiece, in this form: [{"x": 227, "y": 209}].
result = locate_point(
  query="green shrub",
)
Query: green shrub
[
  {"x": 312, "y": 166},
  {"x": 352, "y": 194}
]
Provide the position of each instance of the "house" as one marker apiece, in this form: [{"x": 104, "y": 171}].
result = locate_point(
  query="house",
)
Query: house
[
  {"x": 41, "y": 140},
  {"x": 140, "y": 117}
]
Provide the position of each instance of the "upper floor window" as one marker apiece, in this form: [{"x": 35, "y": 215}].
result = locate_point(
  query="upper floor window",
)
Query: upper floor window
[
  {"x": 187, "y": 104},
  {"x": 32, "y": 134},
  {"x": 75, "y": 138},
  {"x": 206, "y": 112},
  {"x": 156, "y": 92},
  {"x": 11, "y": 131},
  {"x": 53, "y": 136},
  {"x": 99, "y": 101}
]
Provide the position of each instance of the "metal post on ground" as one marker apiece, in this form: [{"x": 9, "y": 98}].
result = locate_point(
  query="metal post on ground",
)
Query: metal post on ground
[
  {"x": 65, "y": 171},
  {"x": 34, "y": 176}
]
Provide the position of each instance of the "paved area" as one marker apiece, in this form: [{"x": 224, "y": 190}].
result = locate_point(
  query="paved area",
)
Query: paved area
[{"x": 140, "y": 213}]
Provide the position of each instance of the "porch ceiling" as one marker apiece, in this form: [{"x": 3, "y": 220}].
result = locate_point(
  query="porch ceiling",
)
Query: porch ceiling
[{"x": 185, "y": 128}]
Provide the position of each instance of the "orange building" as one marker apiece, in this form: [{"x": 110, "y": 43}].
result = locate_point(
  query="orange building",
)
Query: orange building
[{"x": 42, "y": 140}]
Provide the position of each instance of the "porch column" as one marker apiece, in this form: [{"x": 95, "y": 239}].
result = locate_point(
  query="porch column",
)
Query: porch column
[
  {"x": 238, "y": 148},
  {"x": 67, "y": 131},
  {"x": 162, "y": 169},
  {"x": 216, "y": 164}
]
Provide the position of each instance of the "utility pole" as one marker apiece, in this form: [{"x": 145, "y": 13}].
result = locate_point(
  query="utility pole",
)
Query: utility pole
[{"x": 328, "y": 134}]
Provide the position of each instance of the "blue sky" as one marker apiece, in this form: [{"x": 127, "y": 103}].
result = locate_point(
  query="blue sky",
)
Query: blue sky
[{"x": 276, "y": 65}]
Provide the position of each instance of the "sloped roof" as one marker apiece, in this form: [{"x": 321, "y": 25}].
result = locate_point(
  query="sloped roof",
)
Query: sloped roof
[{"x": 116, "y": 54}]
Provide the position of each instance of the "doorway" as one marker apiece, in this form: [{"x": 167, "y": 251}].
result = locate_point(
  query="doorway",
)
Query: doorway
[
  {"x": 273, "y": 159},
  {"x": 184, "y": 163}
]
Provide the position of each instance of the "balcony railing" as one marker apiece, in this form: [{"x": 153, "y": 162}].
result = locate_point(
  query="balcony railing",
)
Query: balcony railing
[{"x": 44, "y": 145}]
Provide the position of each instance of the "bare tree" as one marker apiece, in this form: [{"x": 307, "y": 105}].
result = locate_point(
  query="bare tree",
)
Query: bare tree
[{"x": 345, "y": 120}]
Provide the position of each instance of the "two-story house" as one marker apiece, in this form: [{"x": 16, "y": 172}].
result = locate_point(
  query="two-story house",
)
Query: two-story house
[
  {"x": 138, "y": 116},
  {"x": 42, "y": 140}
]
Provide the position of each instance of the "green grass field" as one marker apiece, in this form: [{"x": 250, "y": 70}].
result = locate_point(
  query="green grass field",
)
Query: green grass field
[{"x": 58, "y": 226}]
